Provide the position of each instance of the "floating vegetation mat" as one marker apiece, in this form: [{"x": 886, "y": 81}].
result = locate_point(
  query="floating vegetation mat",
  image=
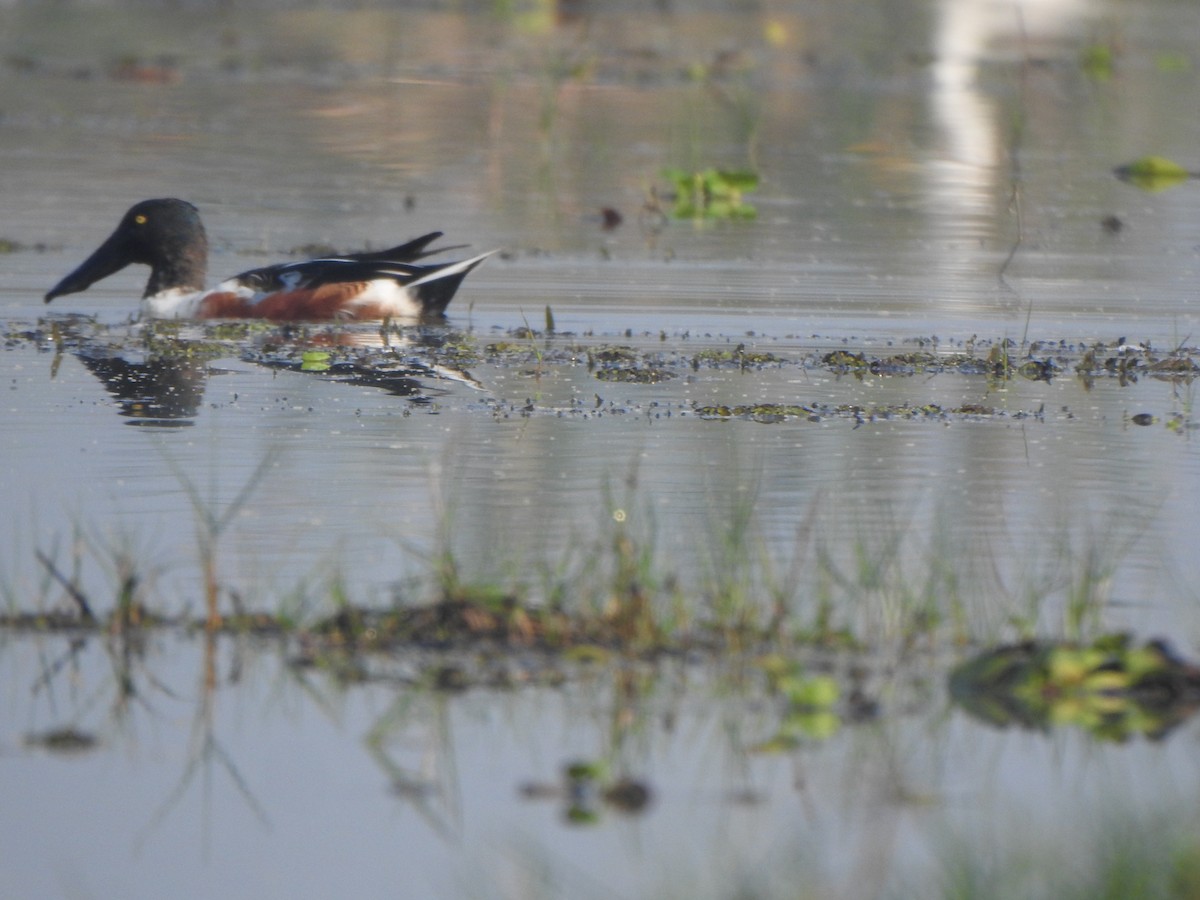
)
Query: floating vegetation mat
[
  {"x": 1113, "y": 687},
  {"x": 157, "y": 371}
]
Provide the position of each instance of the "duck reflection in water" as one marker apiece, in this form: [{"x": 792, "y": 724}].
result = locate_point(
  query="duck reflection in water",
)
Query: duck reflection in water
[
  {"x": 164, "y": 391},
  {"x": 165, "y": 388}
]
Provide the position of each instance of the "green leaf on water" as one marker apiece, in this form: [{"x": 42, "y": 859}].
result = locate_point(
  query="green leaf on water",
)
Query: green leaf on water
[
  {"x": 819, "y": 724},
  {"x": 1153, "y": 173},
  {"x": 731, "y": 209},
  {"x": 1170, "y": 61},
  {"x": 724, "y": 183},
  {"x": 314, "y": 361},
  {"x": 711, "y": 193},
  {"x": 1156, "y": 166},
  {"x": 816, "y": 692},
  {"x": 585, "y": 770}
]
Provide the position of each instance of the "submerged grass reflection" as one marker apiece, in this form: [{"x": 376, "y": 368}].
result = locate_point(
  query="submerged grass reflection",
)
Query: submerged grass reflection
[
  {"x": 777, "y": 692},
  {"x": 903, "y": 580}
]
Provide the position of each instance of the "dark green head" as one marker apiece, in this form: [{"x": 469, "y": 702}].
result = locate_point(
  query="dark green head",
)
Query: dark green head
[{"x": 165, "y": 235}]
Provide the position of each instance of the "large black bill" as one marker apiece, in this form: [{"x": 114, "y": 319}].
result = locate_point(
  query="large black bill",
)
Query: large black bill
[{"x": 111, "y": 256}]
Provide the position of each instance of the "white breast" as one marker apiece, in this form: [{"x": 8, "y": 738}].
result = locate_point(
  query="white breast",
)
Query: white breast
[{"x": 173, "y": 304}]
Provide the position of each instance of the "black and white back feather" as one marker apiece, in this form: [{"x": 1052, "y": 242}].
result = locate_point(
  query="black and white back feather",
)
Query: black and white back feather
[{"x": 396, "y": 263}]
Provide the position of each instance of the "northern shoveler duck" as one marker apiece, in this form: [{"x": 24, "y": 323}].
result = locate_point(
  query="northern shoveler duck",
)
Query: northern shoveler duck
[{"x": 167, "y": 236}]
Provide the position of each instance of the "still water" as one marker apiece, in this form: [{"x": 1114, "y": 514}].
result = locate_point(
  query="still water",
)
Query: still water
[{"x": 906, "y": 150}]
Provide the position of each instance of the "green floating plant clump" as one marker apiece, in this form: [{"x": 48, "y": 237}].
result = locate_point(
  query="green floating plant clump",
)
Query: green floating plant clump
[
  {"x": 1111, "y": 687},
  {"x": 711, "y": 193}
]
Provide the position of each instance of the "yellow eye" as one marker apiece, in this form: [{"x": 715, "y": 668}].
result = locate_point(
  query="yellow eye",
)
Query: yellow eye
[{"x": 140, "y": 219}]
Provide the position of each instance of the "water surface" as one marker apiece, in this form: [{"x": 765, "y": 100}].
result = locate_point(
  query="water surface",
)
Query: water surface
[{"x": 904, "y": 151}]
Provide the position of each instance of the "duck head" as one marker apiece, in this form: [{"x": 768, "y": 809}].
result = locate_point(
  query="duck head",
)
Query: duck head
[{"x": 164, "y": 234}]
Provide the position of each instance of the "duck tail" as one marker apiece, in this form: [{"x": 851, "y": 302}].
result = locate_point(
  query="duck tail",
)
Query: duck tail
[
  {"x": 435, "y": 291},
  {"x": 414, "y": 251}
]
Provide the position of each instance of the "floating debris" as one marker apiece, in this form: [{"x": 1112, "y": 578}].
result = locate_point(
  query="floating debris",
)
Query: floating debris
[
  {"x": 816, "y": 412},
  {"x": 63, "y": 740},
  {"x": 158, "y": 371},
  {"x": 587, "y": 789},
  {"x": 634, "y": 374}
]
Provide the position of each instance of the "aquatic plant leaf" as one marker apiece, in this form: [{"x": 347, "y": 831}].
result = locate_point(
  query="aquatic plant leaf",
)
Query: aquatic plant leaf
[
  {"x": 1169, "y": 61},
  {"x": 729, "y": 209},
  {"x": 685, "y": 209},
  {"x": 585, "y": 770},
  {"x": 711, "y": 193},
  {"x": 680, "y": 179},
  {"x": 818, "y": 692},
  {"x": 1153, "y": 173},
  {"x": 818, "y": 724},
  {"x": 1097, "y": 62},
  {"x": 725, "y": 183},
  {"x": 582, "y": 815},
  {"x": 1067, "y": 665},
  {"x": 315, "y": 361}
]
